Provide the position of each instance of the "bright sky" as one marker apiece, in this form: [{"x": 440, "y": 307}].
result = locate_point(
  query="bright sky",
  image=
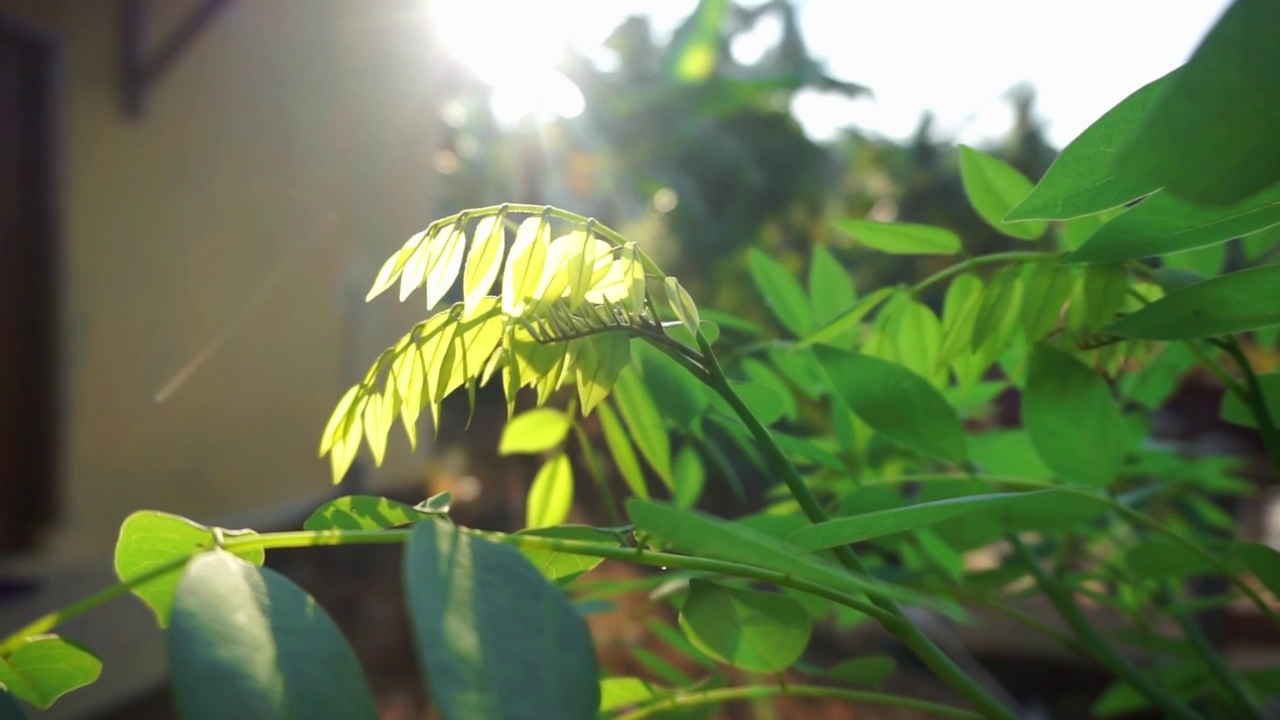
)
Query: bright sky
[{"x": 956, "y": 58}]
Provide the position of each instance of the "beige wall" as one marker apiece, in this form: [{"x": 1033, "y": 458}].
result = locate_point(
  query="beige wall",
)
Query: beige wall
[{"x": 288, "y": 149}]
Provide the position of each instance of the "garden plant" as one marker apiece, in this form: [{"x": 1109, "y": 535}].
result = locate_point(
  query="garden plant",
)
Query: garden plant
[{"x": 1150, "y": 248}]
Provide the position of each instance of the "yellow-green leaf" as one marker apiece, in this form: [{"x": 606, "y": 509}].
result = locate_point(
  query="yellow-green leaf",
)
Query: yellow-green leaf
[
  {"x": 599, "y": 360},
  {"x": 45, "y": 667},
  {"x": 551, "y": 494},
  {"x": 525, "y": 264},
  {"x": 624, "y": 455},
  {"x": 994, "y": 187},
  {"x": 534, "y": 431},
  {"x": 484, "y": 260},
  {"x": 444, "y": 259},
  {"x": 680, "y": 302},
  {"x": 391, "y": 269}
]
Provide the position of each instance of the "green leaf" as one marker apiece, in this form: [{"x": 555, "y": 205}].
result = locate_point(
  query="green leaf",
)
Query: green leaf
[
  {"x": 246, "y": 642},
  {"x": 782, "y": 293},
  {"x": 1082, "y": 181},
  {"x": 682, "y": 305},
  {"x": 1239, "y": 301},
  {"x": 761, "y": 374},
  {"x": 959, "y": 311},
  {"x": 1162, "y": 557},
  {"x": 901, "y": 238},
  {"x": 895, "y": 402},
  {"x": 1047, "y": 287},
  {"x": 1105, "y": 289},
  {"x": 868, "y": 670},
  {"x": 624, "y": 455},
  {"x": 551, "y": 494},
  {"x": 10, "y": 708},
  {"x": 599, "y": 360},
  {"x": 1210, "y": 135},
  {"x": 680, "y": 396},
  {"x": 1264, "y": 562},
  {"x": 45, "y": 667},
  {"x": 150, "y": 540},
  {"x": 534, "y": 431},
  {"x": 563, "y": 568},
  {"x": 830, "y": 287},
  {"x": 917, "y": 336},
  {"x": 645, "y": 423},
  {"x": 998, "y": 313},
  {"x": 1007, "y": 453},
  {"x": 994, "y": 188},
  {"x": 856, "y": 528},
  {"x": 1164, "y": 224},
  {"x": 495, "y": 639},
  {"x": 437, "y": 505},
  {"x": 484, "y": 261},
  {"x": 1044, "y": 512},
  {"x": 361, "y": 512},
  {"x": 620, "y": 692},
  {"x": 711, "y": 537},
  {"x": 749, "y": 629},
  {"x": 1072, "y": 419},
  {"x": 690, "y": 477},
  {"x": 1235, "y": 411},
  {"x": 849, "y": 319}
]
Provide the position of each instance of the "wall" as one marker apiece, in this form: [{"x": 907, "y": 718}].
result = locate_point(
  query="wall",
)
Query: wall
[{"x": 235, "y": 224}]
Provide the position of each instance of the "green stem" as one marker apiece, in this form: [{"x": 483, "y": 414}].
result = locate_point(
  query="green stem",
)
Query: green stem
[
  {"x": 699, "y": 698},
  {"x": 1098, "y": 646},
  {"x": 1015, "y": 256},
  {"x": 1229, "y": 680},
  {"x": 900, "y": 626},
  {"x": 1256, "y": 402}
]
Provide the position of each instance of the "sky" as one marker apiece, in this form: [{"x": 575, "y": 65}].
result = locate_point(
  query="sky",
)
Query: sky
[{"x": 1082, "y": 56}]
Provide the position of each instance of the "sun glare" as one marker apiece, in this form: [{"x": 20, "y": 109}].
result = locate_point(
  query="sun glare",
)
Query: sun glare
[{"x": 514, "y": 46}]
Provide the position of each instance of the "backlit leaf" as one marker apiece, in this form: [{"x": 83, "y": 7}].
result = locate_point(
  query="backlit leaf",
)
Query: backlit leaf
[
  {"x": 525, "y": 263},
  {"x": 1072, "y": 419},
  {"x": 415, "y": 265},
  {"x": 749, "y": 629},
  {"x": 150, "y": 540},
  {"x": 1164, "y": 224},
  {"x": 917, "y": 336},
  {"x": 551, "y": 494},
  {"x": 896, "y": 402},
  {"x": 782, "y": 293},
  {"x": 1082, "y": 180},
  {"x": 248, "y": 643},
  {"x": 43, "y": 668},
  {"x": 1239, "y": 301},
  {"x": 1210, "y": 136},
  {"x": 901, "y": 238},
  {"x": 559, "y": 567},
  {"x": 361, "y": 512},
  {"x": 682, "y": 305},
  {"x": 444, "y": 259},
  {"x": 994, "y": 188},
  {"x": 620, "y": 448},
  {"x": 391, "y": 269},
  {"x": 644, "y": 423},
  {"x": 600, "y": 358},
  {"x": 484, "y": 261},
  {"x": 534, "y": 431},
  {"x": 494, "y": 638},
  {"x": 866, "y": 526}
]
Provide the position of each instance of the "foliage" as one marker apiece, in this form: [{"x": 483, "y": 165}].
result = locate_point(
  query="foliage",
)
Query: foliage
[{"x": 873, "y": 412}]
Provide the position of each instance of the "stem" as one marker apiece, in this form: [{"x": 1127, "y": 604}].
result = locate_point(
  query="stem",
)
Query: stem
[
  {"x": 900, "y": 626},
  {"x": 1256, "y": 402},
  {"x": 960, "y": 267},
  {"x": 1230, "y": 681},
  {"x": 1098, "y": 646},
  {"x": 699, "y": 698}
]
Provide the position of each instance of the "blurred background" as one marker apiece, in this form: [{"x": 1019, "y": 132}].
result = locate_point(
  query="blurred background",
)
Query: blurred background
[{"x": 196, "y": 194}]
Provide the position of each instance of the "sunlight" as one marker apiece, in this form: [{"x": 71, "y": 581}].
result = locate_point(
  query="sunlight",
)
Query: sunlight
[{"x": 514, "y": 47}]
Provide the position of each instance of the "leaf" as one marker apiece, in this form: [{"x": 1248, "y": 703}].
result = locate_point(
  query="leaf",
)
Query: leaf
[
  {"x": 551, "y": 494},
  {"x": 534, "y": 431},
  {"x": 830, "y": 287},
  {"x": 361, "y": 512},
  {"x": 690, "y": 477},
  {"x": 645, "y": 423},
  {"x": 959, "y": 312},
  {"x": 999, "y": 310},
  {"x": 150, "y": 540},
  {"x": 1209, "y": 137},
  {"x": 1161, "y": 557},
  {"x": 682, "y": 305},
  {"x": 415, "y": 266},
  {"x": 599, "y": 360},
  {"x": 868, "y": 670},
  {"x": 849, "y": 319},
  {"x": 1164, "y": 224},
  {"x": 1048, "y": 285},
  {"x": 1264, "y": 562},
  {"x": 559, "y": 567},
  {"x": 444, "y": 260},
  {"x": 711, "y": 537},
  {"x": 749, "y": 629},
  {"x": 248, "y": 643},
  {"x": 525, "y": 264},
  {"x": 1105, "y": 289},
  {"x": 917, "y": 335},
  {"x": 1232, "y": 303},
  {"x": 1007, "y": 453},
  {"x": 391, "y": 269},
  {"x": 495, "y": 639},
  {"x": 901, "y": 238},
  {"x": 484, "y": 261},
  {"x": 1082, "y": 180},
  {"x": 617, "y": 693},
  {"x": 438, "y": 504},
  {"x": 43, "y": 668},
  {"x": 782, "y": 293},
  {"x": 10, "y": 708},
  {"x": 679, "y": 396},
  {"x": 867, "y": 526},
  {"x": 760, "y": 374},
  {"x": 1072, "y": 419},
  {"x": 994, "y": 188},
  {"x": 1235, "y": 411},
  {"x": 624, "y": 455},
  {"x": 895, "y": 402}
]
